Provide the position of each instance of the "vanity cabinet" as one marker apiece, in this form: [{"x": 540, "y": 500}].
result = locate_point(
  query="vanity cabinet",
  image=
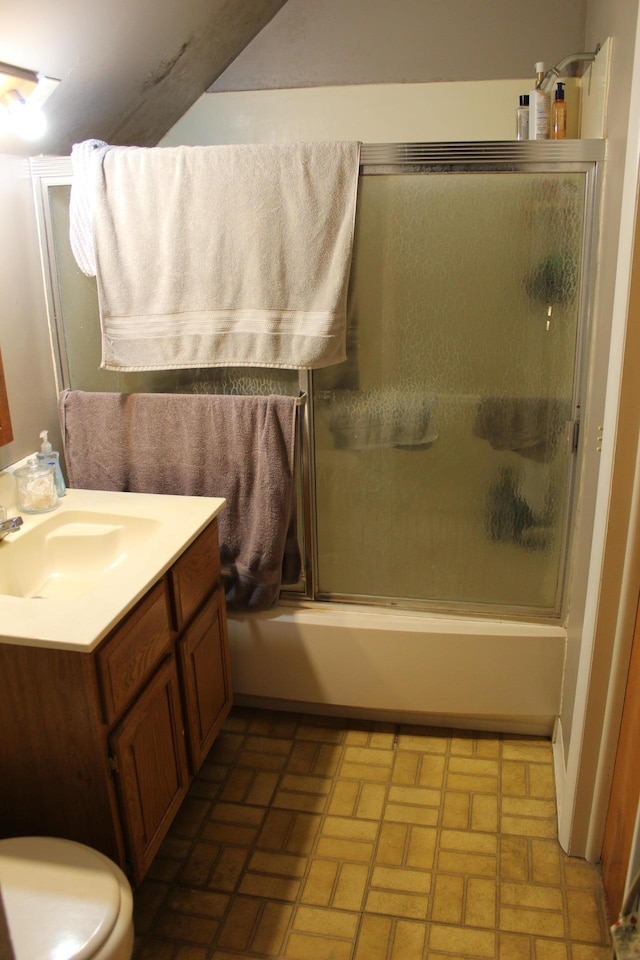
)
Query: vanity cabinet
[{"x": 101, "y": 747}]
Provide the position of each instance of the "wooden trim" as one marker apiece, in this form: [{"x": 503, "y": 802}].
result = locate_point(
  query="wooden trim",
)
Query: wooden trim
[
  {"x": 625, "y": 789},
  {"x": 6, "y": 430}
]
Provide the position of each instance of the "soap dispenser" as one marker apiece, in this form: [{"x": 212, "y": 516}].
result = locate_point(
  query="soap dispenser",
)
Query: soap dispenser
[
  {"x": 559, "y": 115},
  {"x": 52, "y": 457}
]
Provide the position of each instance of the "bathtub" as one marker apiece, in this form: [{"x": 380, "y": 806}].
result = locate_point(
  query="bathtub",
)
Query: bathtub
[{"x": 359, "y": 661}]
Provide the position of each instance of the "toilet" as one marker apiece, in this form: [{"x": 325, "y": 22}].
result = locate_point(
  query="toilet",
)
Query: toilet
[{"x": 64, "y": 901}]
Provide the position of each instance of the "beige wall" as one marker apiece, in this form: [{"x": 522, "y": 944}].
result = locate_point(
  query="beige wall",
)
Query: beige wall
[
  {"x": 128, "y": 68},
  {"x": 24, "y": 336},
  {"x": 371, "y": 113},
  {"x": 596, "y": 670},
  {"x": 376, "y": 41},
  {"x": 594, "y": 616}
]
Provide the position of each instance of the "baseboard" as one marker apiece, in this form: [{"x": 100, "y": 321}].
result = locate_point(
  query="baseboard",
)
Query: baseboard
[
  {"x": 524, "y": 726},
  {"x": 564, "y": 830}
]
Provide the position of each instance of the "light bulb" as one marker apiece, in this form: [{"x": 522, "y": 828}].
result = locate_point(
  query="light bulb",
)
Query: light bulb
[{"x": 25, "y": 120}]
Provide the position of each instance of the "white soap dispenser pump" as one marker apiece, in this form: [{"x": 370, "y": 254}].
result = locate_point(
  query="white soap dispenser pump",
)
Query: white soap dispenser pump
[{"x": 52, "y": 457}]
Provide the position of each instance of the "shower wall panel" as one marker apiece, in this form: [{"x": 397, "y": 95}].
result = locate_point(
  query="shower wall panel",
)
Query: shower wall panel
[{"x": 442, "y": 452}]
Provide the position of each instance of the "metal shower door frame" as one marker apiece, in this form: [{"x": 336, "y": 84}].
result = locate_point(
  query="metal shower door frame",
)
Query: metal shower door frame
[{"x": 569, "y": 156}]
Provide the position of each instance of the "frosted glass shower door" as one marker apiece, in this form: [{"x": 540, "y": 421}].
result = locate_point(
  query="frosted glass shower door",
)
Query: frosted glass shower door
[{"x": 442, "y": 446}]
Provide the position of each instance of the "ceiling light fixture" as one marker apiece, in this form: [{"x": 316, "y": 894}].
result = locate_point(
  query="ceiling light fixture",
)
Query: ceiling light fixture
[{"x": 22, "y": 95}]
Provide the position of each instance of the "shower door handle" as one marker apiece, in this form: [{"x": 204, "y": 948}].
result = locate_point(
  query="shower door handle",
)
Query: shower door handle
[{"x": 572, "y": 435}]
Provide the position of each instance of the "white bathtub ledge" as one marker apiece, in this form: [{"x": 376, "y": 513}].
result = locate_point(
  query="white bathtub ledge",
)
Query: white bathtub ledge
[{"x": 489, "y": 674}]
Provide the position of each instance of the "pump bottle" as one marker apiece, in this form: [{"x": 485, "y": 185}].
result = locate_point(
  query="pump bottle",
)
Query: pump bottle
[
  {"x": 559, "y": 115},
  {"x": 52, "y": 457}
]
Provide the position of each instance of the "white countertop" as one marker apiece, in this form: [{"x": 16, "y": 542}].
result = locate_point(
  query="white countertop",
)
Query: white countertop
[{"x": 79, "y": 623}]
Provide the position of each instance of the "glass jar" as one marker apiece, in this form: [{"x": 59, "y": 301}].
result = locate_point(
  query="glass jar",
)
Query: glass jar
[{"x": 36, "y": 487}]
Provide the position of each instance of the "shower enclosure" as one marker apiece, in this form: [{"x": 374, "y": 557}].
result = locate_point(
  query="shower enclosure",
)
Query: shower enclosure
[{"x": 437, "y": 466}]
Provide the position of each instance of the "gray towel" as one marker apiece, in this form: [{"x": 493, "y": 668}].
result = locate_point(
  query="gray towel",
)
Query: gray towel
[
  {"x": 386, "y": 417},
  {"x": 240, "y": 448},
  {"x": 529, "y": 426}
]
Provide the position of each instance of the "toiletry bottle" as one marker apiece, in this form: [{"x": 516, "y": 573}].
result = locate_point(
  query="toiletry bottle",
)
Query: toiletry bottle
[
  {"x": 36, "y": 486},
  {"x": 522, "y": 118},
  {"x": 52, "y": 457},
  {"x": 540, "y": 108},
  {"x": 559, "y": 115}
]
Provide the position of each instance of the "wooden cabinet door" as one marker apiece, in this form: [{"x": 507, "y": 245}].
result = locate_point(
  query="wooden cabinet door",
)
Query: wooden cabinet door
[
  {"x": 151, "y": 765},
  {"x": 625, "y": 789},
  {"x": 204, "y": 660}
]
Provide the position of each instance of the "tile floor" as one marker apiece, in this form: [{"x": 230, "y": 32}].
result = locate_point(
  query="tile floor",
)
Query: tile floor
[{"x": 313, "y": 838}]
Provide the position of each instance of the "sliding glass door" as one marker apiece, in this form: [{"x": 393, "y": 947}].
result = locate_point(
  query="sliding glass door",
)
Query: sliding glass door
[{"x": 443, "y": 447}]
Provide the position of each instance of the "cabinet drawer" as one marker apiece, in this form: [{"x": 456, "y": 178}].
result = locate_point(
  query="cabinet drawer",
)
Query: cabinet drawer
[
  {"x": 129, "y": 657},
  {"x": 195, "y": 574}
]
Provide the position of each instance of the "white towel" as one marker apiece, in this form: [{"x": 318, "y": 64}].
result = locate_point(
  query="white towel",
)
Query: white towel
[
  {"x": 81, "y": 204},
  {"x": 225, "y": 255}
]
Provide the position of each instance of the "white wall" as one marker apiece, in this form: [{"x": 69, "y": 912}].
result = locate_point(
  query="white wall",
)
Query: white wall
[
  {"x": 401, "y": 41},
  {"x": 372, "y": 113},
  {"x": 128, "y": 68},
  {"x": 602, "y": 604},
  {"x": 620, "y": 74},
  {"x": 24, "y": 333}
]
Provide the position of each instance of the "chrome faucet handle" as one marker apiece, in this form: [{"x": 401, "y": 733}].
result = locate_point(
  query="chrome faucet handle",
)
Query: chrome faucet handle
[{"x": 9, "y": 526}]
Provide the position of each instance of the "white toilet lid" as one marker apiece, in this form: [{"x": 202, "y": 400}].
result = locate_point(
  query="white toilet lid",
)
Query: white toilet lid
[{"x": 60, "y": 898}]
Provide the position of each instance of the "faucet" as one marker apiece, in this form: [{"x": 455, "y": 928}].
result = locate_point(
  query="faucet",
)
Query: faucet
[
  {"x": 550, "y": 77},
  {"x": 8, "y": 526}
]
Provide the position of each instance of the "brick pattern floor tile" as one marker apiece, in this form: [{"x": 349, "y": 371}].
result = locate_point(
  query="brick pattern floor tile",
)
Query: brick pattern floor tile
[{"x": 318, "y": 838}]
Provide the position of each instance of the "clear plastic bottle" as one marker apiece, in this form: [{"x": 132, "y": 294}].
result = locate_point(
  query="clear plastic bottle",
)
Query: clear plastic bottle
[
  {"x": 522, "y": 118},
  {"x": 559, "y": 115},
  {"x": 52, "y": 457}
]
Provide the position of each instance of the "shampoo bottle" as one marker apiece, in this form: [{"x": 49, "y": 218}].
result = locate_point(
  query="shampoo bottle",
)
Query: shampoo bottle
[
  {"x": 540, "y": 108},
  {"x": 559, "y": 115},
  {"x": 522, "y": 118},
  {"x": 52, "y": 457}
]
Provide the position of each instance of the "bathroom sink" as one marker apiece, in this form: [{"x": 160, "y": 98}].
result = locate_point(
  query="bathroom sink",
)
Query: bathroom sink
[
  {"x": 68, "y": 554},
  {"x": 91, "y": 559}
]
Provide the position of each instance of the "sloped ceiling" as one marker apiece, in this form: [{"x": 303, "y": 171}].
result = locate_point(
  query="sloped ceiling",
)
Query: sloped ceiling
[{"x": 129, "y": 69}]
